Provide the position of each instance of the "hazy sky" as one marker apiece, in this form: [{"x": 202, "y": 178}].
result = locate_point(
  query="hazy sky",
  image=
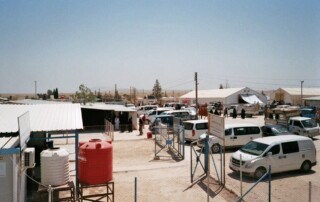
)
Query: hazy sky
[{"x": 261, "y": 44}]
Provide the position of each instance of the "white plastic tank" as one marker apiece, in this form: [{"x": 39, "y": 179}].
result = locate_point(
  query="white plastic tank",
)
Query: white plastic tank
[{"x": 54, "y": 166}]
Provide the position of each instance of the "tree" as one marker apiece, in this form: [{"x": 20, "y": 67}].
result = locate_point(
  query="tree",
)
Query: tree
[
  {"x": 157, "y": 90},
  {"x": 85, "y": 95},
  {"x": 221, "y": 86},
  {"x": 56, "y": 93}
]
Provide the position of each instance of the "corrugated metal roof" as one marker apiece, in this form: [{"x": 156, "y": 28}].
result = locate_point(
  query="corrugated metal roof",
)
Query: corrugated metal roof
[
  {"x": 8, "y": 142},
  {"x": 43, "y": 117},
  {"x": 305, "y": 91},
  {"x": 212, "y": 93},
  {"x": 102, "y": 106}
]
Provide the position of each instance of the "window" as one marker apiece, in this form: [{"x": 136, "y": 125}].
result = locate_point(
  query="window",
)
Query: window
[
  {"x": 290, "y": 147},
  {"x": 188, "y": 126},
  {"x": 202, "y": 126},
  {"x": 274, "y": 150},
  {"x": 252, "y": 130},
  {"x": 298, "y": 124},
  {"x": 228, "y": 132},
  {"x": 239, "y": 131}
]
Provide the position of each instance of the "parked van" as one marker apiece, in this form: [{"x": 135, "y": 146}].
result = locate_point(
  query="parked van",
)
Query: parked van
[
  {"x": 303, "y": 126},
  {"x": 194, "y": 128},
  {"x": 282, "y": 152},
  {"x": 236, "y": 135}
]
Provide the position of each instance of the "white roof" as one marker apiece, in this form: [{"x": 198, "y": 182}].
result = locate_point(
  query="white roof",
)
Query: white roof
[
  {"x": 216, "y": 93},
  {"x": 8, "y": 142},
  {"x": 305, "y": 91},
  {"x": 102, "y": 106},
  {"x": 317, "y": 98},
  {"x": 43, "y": 117},
  {"x": 280, "y": 138},
  {"x": 32, "y": 102}
]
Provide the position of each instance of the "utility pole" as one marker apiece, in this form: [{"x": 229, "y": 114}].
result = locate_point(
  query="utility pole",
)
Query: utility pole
[
  {"x": 301, "y": 92},
  {"x": 35, "y": 89},
  {"x": 196, "y": 82}
]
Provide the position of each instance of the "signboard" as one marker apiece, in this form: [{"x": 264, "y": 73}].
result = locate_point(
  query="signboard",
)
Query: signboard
[
  {"x": 216, "y": 126},
  {"x": 24, "y": 129}
]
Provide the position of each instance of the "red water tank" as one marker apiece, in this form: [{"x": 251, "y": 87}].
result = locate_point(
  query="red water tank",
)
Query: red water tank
[{"x": 95, "y": 162}]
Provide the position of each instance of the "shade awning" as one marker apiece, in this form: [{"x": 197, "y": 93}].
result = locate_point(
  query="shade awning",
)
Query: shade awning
[{"x": 251, "y": 99}]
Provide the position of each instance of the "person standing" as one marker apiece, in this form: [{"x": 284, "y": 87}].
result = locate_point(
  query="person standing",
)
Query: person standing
[
  {"x": 234, "y": 113},
  {"x": 140, "y": 126},
  {"x": 116, "y": 123},
  {"x": 130, "y": 124},
  {"x": 225, "y": 112},
  {"x": 143, "y": 120},
  {"x": 243, "y": 113}
]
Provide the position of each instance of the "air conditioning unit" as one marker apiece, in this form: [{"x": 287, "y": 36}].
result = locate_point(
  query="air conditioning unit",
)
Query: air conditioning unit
[{"x": 28, "y": 158}]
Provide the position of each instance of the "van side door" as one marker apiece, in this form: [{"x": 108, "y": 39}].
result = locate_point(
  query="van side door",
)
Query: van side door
[
  {"x": 275, "y": 160},
  {"x": 290, "y": 155}
]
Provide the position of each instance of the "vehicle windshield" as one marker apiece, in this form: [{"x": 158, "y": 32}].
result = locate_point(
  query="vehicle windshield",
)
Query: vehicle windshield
[
  {"x": 310, "y": 123},
  {"x": 280, "y": 130},
  {"x": 254, "y": 148}
]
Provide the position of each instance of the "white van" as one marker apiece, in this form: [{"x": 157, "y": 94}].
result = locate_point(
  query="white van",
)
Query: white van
[
  {"x": 236, "y": 135},
  {"x": 194, "y": 128},
  {"x": 282, "y": 152}
]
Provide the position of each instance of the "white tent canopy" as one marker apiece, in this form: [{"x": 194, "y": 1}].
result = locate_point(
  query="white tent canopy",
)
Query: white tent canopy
[{"x": 251, "y": 99}]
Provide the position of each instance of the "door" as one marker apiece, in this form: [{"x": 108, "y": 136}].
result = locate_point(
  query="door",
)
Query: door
[
  {"x": 291, "y": 155},
  {"x": 276, "y": 160}
]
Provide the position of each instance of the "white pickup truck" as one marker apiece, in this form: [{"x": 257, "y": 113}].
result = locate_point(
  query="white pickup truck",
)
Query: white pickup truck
[{"x": 304, "y": 126}]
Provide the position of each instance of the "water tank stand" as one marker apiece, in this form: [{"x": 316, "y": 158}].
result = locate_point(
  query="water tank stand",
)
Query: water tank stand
[
  {"x": 69, "y": 187},
  {"x": 107, "y": 191}
]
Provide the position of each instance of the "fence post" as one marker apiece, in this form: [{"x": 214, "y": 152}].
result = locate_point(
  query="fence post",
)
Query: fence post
[
  {"x": 310, "y": 186},
  {"x": 269, "y": 175},
  {"x": 240, "y": 175},
  {"x": 135, "y": 189}
]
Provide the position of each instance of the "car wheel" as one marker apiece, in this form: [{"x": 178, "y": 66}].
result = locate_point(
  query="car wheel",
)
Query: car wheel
[
  {"x": 259, "y": 172},
  {"x": 215, "y": 148},
  {"x": 306, "y": 166}
]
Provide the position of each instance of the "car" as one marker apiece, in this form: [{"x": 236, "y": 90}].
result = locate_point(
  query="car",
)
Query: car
[
  {"x": 273, "y": 130},
  {"x": 141, "y": 110},
  {"x": 150, "y": 116},
  {"x": 182, "y": 114},
  {"x": 194, "y": 128},
  {"x": 163, "y": 119},
  {"x": 192, "y": 112}
]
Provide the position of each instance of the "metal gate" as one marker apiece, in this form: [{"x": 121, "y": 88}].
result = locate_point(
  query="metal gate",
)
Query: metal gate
[
  {"x": 203, "y": 159},
  {"x": 169, "y": 142}
]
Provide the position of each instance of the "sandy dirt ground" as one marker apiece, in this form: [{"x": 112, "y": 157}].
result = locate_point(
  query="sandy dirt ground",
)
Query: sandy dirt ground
[{"x": 169, "y": 179}]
